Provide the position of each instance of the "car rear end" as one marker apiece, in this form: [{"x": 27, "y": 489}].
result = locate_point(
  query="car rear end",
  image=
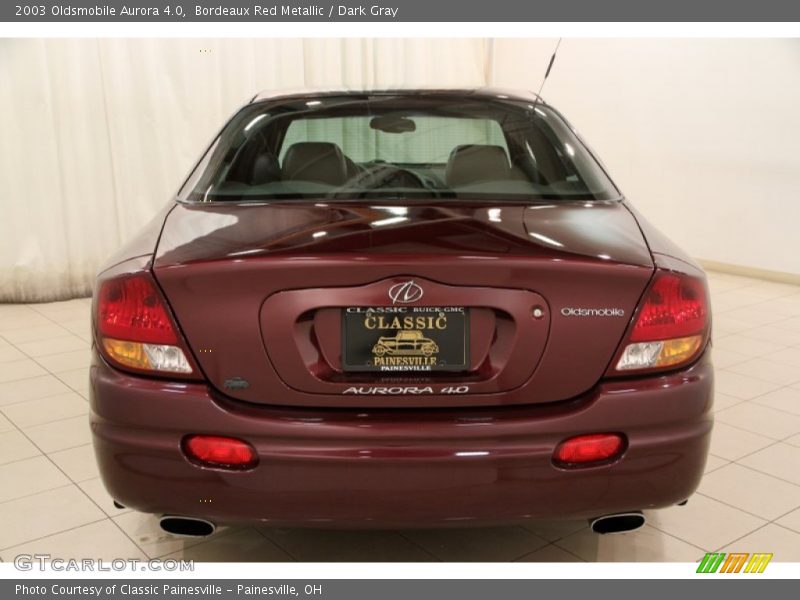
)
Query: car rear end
[{"x": 406, "y": 358}]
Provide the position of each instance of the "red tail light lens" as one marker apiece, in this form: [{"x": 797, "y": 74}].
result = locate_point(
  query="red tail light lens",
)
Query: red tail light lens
[
  {"x": 671, "y": 327},
  {"x": 583, "y": 450},
  {"x": 674, "y": 307},
  {"x": 130, "y": 308},
  {"x": 218, "y": 451},
  {"x": 135, "y": 329}
]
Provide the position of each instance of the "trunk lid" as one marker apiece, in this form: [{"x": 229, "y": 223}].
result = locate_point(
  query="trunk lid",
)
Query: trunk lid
[{"x": 260, "y": 292}]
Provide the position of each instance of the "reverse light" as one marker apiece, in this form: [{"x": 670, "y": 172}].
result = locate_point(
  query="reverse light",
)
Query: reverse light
[
  {"x": 135, "y": 328},
  {"x": 583, "y": 450},
  {"x": 670, "y": 328},
  {"x": 219, "y": 451}
]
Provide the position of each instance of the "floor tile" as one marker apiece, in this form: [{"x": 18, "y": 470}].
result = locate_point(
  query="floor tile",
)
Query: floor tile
[
  {"x": 788, "y": 356},
  {"x": 9, "y": 353},
  {"x": 65, "y": 361},
  {"x": 786, "y": 399},
  {"x": 732, "y": 443},
  {"x": 14, "y": 446},
  {"x": 22, "y": 320},
  {"x": 20, "y": 369},
  {"x": 763, "y": 420},
  {"x": 751, "y": 491},
  {"x": 555, "y": 530},
  {"x": 29, "y": 476},
  {"x": 77, "y": 379},
  {"x": 44, "y": 514},
  {"x": 754, "y": 316},
  {"x": 727, "y": 358},
  {"x": 775, "y": 333},
  {"x": 748, "y": 346},
  {"x": 246, "y": 545},
  {"x": 101, "y": 540},
  {"x": 322, "y": 545},
  {"x": 57, "y": 345},
  {"x": 779, "y": 460},
  {"x": 705, "y": 522},
  {"x": 62, "y": 311},
  {"x": 14, "y": 392},
  {"x": 792, "y": 324},
  {"x": 782, "y": 543},
  {"x": 767, "y": 370},
  {"x": 5, "y": 424},
  {"x": 46, "y": 410},
  {"x": 80, "y": 327},
  {"x": 60, "y": 435},
  {"x": 95, "y": 489},
  {"x": 790, "y": 520},
  {"x": 741, "y": 386},
  {"x": 34, "y": 334},
  {"x": 477, "y": 544},
  {"x": 714, "y": 462},
  {"x": 551, "y": 553},
  {"x": 644, "y": 545},
  {"x": 794, "y": 440},
  {"x": 78, "y": 463},
  {"x": 723, "y": 401}
]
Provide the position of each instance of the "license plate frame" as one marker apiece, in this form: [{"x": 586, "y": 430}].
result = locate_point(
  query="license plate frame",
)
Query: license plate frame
[{"x": 405, "y": 340}]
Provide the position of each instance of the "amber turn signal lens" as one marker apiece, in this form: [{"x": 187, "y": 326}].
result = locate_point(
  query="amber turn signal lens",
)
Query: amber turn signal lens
[
  {"x": 657, "y": 354},
  {"x": 147, "y": 357}
]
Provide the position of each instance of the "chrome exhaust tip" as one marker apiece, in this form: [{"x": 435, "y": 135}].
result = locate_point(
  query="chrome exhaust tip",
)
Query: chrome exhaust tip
[
  {"x": 186, "y": 526},
  {"x": 618, "y": 523}
]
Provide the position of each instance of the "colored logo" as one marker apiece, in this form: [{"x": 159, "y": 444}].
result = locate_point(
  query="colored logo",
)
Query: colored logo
[
  {"x": 734, "y": 562},
  {"x": 405, "y": 292}
]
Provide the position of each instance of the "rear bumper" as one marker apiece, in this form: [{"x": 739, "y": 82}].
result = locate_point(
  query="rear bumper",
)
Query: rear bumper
[{"x": 396, "y": 468}]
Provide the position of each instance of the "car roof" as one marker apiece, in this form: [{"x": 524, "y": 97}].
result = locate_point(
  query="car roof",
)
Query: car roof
[{"x": 475, "y": 92}]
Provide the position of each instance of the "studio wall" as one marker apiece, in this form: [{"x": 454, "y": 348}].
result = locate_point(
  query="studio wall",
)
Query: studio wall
[
  {"x": 97, "y": 135},
  {"x": 703, "y": 135}
]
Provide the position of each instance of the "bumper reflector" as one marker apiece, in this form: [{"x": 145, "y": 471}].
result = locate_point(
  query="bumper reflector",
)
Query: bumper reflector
[
  {"x": 582, "y": 450},
  {"x": 218, "y": 451}
]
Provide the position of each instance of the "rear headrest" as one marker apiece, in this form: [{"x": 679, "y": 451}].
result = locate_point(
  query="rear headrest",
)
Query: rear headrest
[
  {"x": 471, "y": 163},
  {"x": 265, "y": 169},
  {"x": 322, "y": 162}
]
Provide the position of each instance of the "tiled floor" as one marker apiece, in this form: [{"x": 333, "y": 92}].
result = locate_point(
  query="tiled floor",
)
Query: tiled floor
[{"x": 52, "y": 501}]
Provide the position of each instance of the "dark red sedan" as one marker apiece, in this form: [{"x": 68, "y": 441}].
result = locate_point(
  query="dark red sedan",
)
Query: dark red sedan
[{"x": 400, "y": 308}]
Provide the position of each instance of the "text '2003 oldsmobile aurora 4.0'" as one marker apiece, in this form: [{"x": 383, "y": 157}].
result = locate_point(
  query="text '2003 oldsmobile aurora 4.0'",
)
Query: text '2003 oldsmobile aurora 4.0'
[{"x": 390, "y": 309}]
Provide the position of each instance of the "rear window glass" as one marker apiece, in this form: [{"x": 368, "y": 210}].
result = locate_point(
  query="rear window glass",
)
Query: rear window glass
[
  {"x": 396, "y": 146},
  {"x": 432, "y": 141}
]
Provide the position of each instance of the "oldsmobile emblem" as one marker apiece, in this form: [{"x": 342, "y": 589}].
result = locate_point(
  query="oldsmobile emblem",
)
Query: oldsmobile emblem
[{"x": 405, "y": 292}]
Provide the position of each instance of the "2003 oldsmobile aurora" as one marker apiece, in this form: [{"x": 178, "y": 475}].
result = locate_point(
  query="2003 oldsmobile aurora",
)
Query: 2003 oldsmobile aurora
[{"x": 389, "y": 309}]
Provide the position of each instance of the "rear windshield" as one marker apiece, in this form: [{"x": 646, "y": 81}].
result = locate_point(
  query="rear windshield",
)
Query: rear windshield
[{"x": 397, "y": 147}]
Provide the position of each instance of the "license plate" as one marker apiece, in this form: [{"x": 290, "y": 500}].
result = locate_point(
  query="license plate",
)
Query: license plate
[{"x": 405, "y": 339}]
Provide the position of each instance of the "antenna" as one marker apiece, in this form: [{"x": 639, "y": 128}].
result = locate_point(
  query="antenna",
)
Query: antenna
[{"x": 549, "y": 67}]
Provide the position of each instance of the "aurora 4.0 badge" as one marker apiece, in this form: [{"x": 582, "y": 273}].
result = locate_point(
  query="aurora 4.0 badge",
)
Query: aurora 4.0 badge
[{"x": 405, "y": 339}]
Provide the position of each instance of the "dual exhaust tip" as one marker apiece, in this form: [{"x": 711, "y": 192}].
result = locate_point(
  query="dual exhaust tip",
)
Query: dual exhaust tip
[
  {"x": 618, "y": 523},
  {"x": 194, "y": 527},
  {"x": 191, "y": 527}
]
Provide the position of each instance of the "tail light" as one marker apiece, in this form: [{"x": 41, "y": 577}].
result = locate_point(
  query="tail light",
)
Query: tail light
[
  {"x": 586, "y": 450},
  {"x": 219, "y": 451},
  {"x": 136, "y": 331},
  {"x": 671, "y": 327}
]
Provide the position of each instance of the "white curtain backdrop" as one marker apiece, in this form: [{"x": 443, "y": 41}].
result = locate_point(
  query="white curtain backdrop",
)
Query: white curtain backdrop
[{"x": 96, "y": 135}]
